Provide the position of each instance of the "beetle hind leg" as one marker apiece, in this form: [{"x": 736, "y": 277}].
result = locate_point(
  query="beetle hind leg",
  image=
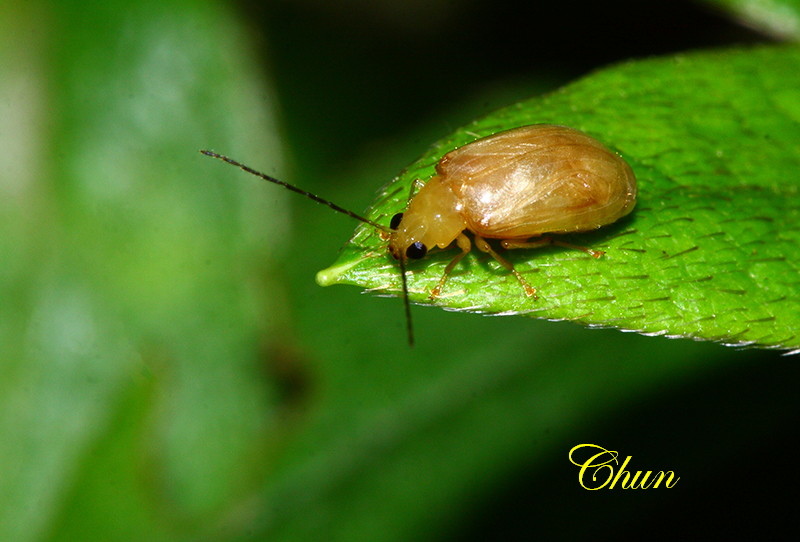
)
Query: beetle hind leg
[
  {"x": 484, "y": 246},
  {"x": 547, "y": 241}
]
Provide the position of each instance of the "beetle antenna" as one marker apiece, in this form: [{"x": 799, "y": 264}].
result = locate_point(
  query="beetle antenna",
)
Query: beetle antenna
[
  {"x": 309, "y": 195},
  {"x": 406, "y": 303},
  {"x": 293, "y": 188}
]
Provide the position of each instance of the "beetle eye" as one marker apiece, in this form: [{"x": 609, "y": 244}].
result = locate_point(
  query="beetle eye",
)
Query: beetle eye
[
  {"x": 416, "y": 250},
  {"x": 396, "y": 221}
]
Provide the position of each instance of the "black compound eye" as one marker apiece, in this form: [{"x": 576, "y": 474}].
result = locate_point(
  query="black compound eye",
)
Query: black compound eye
[
  {"x": 396, "y": 221},
  {"x": 416, "y": 250}
]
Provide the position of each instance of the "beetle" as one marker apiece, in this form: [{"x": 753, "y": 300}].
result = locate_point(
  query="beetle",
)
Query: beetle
[
  {"x": 518, "y": 186},
  {"x": 514, "y": 186}
]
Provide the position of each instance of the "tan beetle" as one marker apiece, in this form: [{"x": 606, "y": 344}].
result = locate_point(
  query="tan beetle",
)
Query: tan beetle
[{"x": 513, "y": 186}]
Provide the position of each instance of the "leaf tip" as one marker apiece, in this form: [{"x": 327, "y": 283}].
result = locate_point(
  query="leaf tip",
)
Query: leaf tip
[{"x": 333, "y": 274}]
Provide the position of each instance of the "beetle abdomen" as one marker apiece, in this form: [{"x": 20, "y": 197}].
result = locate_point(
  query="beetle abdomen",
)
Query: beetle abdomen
[{"x": 538, "y": 179}]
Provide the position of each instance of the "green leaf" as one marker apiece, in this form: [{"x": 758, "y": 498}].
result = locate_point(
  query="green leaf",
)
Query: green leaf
[{"x": 711, "y": 250}]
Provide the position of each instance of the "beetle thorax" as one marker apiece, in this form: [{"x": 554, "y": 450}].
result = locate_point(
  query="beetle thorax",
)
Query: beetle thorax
[{"x": 433, "y": 218}]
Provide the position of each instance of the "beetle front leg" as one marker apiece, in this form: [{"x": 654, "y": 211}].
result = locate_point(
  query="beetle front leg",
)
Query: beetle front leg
[{"x": 463, "y": 243}]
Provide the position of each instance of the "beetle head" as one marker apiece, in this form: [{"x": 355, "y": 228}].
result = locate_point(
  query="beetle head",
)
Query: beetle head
[{"x": 432, "y": 219}]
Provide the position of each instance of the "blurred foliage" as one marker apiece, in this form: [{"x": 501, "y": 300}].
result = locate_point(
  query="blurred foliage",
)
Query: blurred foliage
[
  {"x": 779, "y": 18},
  {"x": 172, "y": 372}
]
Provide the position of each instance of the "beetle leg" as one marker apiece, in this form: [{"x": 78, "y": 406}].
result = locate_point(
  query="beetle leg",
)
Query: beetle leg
[
  {"x": 546, "y": 241},
  {"x": 484, "y": 246},
  {"x": 463, "y": 243}
]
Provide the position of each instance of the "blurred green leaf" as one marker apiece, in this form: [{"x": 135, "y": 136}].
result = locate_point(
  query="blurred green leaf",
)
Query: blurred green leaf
[
  {"x": 710, "y": 252},
  {"x": 122, "y": 249},
  {"x": 780, "y": 18}
]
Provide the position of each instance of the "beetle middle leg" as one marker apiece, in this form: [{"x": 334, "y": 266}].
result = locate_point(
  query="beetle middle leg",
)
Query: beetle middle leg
[
  {"x": 484, "y": 246},
  {"x": 547, "y": 241}
]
